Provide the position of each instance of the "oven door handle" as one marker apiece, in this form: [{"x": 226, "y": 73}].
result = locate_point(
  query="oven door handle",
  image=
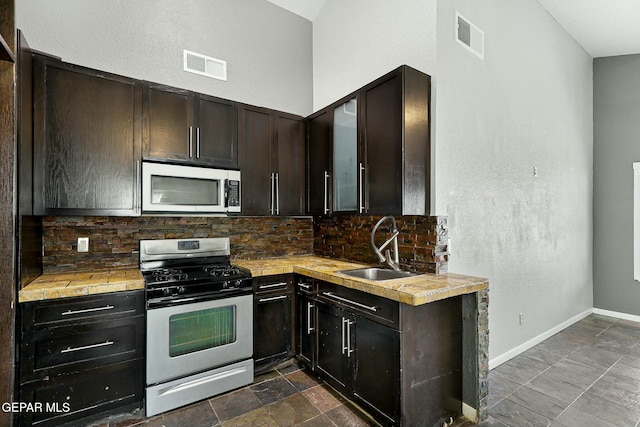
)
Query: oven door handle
[{"x": 188, "y": 300}]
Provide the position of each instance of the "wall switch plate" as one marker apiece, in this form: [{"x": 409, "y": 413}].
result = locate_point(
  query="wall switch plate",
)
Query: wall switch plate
[{"x": 83, "y": 244}]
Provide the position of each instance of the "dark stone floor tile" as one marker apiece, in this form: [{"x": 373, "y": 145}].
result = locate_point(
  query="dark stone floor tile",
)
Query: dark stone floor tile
[
  {"x": 257, "y": 418},
  {"x": 615, "y": 393},
  {"x": 631, "y": 360},
  {"x": 319, "y": 421},
  {"x": 232, "y": 405},
  {"x": 625, "y": 371},
  {"x": 616, "y": 376},
  {"x": 323, "y": 398},
  {"x": 292, "y": 410},
  {"x": 536, "y": 353},
  {"x": 303, "y": 380},
  {"x": 197, "y": 415},
  {"x": 499, "y": 387},
  {"x": 267, "y": 376},
  {"x": 629, "y": 324},
  {"x": 491, "y": 422},
  {"x": 613, "y": 412},
  {"x": 541, "y": 403},
  {"x": 154, "y": 422},
  {"x": 126, "y": 420},
  {"x": 599, "y": 320},
  {"x": 272, "y": 391},
  {"x": 521, "y": 369},
  {"x": 293, "y": 366},
  {"x": 573, "y": 417},
  {"x": 577, "y": 373},
  {"x": 616, "y": 339},
  {"x": 581, "y": 332},
  {"x": 559, "y": 345},
  {"x": 348, "y": 416},
  {"x": 590, "y": 354},
  {"x": 555, "y": 387},
  {"x": 515, "y": 415}
]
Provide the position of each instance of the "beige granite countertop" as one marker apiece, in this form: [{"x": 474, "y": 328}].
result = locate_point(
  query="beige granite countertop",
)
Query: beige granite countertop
[
  {"x": 74, "y": 284},
  {"x": 415, "y": 290}
]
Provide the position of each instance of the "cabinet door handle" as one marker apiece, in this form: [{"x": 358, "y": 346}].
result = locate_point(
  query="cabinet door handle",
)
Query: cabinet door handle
[
  {"x": 349, "y": 349},
  {"x": 274, "y": 285},
  {"x": 348, "y": 301},
  {"x": 137, "y": 190},
  {"x": 305, "y": 286},
  {"x": 277, "y": 193},
  {"x": 360, "y": 195},
  {"x": 87, "y": 310},
  {"x": 344, "y": 343},
  {"x": 273, "y": 298},
  {"x": 190, "y": 141},
  {"x": 309, "y": 312},
  {"x": 271, "y": 208},
  {"x": 86, "y": 347},
  {"x": 326, "y": 192},
  {"x": 197, "y": 143}
]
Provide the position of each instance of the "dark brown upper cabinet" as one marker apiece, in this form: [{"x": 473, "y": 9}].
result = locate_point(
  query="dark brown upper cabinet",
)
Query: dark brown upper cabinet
[
  {"x": 181, "y": 126},
  {"x": 272, "y": 166},
  {"x": 369, "y": 152},
  {"x": 87, "y": 140}
]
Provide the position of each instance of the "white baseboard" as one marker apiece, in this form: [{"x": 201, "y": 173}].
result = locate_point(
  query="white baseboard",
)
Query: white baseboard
[
  {"x": 499, "y": 360},
  {"x": 616, "y": 314}
]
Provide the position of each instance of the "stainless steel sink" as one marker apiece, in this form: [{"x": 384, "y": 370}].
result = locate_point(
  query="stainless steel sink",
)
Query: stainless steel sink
[{"x": 377, "y": 274}]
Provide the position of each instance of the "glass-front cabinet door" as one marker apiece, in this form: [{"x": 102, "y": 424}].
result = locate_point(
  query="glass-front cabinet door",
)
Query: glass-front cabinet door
[{"x": 345, "y": 157}]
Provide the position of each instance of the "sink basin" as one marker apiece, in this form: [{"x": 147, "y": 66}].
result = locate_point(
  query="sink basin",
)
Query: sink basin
[{"x": 377, "y": 274}]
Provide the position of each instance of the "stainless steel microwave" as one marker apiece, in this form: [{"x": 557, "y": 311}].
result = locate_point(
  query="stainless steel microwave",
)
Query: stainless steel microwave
[{"x": 189, "y": 189}]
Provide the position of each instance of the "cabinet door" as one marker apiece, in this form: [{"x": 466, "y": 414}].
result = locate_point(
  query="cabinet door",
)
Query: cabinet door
[
  {"x": 377, "y": 372},
  {"x": 382, "y": 119},
  {"x": 168, "y": 123},
  {"x": 346, "y": 170},
  {"x": 272, "y": 328},
  {"x": 319, "y": 163},
  {"x": 87, "y": 129},
  {"x": 334, "y": 360},
  {"x": 216, "y": 132},
  {"x": 290, "y": 164},
  {"x": 307, "y": 329},
  {"x": 256, "y": 133}
]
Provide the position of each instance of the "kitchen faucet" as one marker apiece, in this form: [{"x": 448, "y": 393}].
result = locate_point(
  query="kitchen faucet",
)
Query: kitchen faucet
[{"x": 395, "y": 262}]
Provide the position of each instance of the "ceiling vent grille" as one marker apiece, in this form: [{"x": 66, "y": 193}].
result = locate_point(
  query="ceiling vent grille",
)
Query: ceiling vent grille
[
  {"x": 205, "y": 65},
  {"x": 469, "y": 36}
]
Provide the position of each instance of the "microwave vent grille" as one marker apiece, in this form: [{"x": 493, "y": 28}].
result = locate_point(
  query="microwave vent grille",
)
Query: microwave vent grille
[{"x": 205, "y": 65}]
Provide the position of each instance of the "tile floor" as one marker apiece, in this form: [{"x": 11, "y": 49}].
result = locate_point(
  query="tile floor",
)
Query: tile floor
[{"x": 587, "y": 375}]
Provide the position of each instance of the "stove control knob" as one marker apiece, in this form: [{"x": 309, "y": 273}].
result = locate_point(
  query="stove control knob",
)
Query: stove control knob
[
  {"x": 237, "y": 283},
  {"x": 181, "y": 290},
  {"x": 166, "y": 292}
]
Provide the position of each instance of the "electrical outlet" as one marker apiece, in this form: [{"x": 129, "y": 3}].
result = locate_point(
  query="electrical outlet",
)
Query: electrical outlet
[
  {"x": 521, "y": 318},
  {"x": 83, "y": 244}
]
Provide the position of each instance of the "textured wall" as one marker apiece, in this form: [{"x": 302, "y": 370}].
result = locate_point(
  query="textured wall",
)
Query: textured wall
[
  {"x": 113, "y": 241},
  {"x": 422, "y": 243},
  {"x": 357, "y": 41},
  {"x": 616, "y": 140},
  {"x": 268, "y": 49},
  {"x": 528, "y": 104}
]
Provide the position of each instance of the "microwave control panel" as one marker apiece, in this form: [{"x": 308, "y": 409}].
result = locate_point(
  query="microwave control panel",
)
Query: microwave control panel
[{"x": 233, "y": 193}]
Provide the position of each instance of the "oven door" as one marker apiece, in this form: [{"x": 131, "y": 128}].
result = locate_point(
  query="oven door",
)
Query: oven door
[{"x": 191, "y": 338}]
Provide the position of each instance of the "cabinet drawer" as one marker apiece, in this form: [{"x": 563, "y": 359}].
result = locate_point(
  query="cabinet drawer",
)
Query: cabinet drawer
[
  {"x": 381, "y": 310},
  {"x": 306, "y": 286},
  {"x": 71, "y": 397},
  {"x": 71, "y": 310},
  {"x": 277, "y": 283},
  {"x": 82, "y": 346}
]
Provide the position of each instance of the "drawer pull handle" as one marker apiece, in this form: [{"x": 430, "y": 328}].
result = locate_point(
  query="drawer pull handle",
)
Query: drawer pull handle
[
  {"x": 86, "y": 347},
  {"x": 275, "y": 285},
  {"x": 348, "y": 301},
  {"x": 305, "y": 286},
  {"x": 272, "y": 298},
  {"x": 88, "y": 310}
]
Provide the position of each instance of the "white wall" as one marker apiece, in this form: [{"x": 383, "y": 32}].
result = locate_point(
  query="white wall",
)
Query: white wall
[
  {"x": 357, "y": 41},
  {"x": 267, "y": 49},
  {"x": 528, "y": 104}
]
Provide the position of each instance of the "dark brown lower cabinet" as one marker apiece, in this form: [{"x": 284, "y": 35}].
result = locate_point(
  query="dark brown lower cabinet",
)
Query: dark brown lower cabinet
[
  {"x": 400, "y": 363},
  {"x": 82, "y": 358},
  {"x": 272, "y": 321}
]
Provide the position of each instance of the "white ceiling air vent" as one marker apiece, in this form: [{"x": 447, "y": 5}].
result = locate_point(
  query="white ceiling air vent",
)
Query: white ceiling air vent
[
  {"x": 469, "y": 36},
  {"x": 205, "y": 65}
]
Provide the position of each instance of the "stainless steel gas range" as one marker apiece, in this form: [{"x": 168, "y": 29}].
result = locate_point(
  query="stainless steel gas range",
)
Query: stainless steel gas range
[{"x": 199, "y": 321}]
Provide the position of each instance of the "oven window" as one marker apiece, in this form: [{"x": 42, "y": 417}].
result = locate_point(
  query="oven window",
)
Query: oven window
[
  {"x": 170, "y": 190},
  {"x": 202, "y": 329}
]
